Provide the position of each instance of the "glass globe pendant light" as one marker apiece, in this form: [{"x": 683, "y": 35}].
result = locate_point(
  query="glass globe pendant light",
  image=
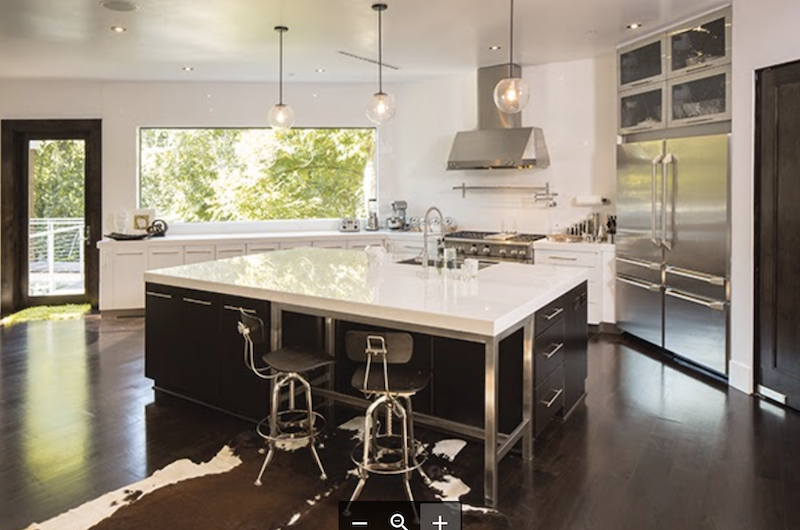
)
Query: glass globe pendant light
[
  {"x": 281, "y": 116},
  {"x": 512, "y": 93},
  {"x": 380, "y": 108}
]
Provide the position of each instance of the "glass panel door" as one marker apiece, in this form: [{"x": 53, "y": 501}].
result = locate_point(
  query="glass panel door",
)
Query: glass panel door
[{"x": 56, "y": 218}]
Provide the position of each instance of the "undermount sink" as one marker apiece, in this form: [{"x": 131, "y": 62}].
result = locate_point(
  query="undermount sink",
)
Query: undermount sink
[{"x": 482, "y": 264}]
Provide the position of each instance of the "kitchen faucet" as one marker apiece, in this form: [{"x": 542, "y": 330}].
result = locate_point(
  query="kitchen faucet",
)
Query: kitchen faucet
[{"x": 425, "y": 228}]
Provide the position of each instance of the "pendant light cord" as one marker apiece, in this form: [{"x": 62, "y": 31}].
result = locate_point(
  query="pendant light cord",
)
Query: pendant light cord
[
  {"x": 280, "y": 75},
  {"x": 511, "y": 43},
  {"x": 380, "y": 51}
]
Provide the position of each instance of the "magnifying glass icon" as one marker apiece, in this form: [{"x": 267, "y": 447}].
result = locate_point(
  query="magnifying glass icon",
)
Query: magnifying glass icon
[{"x": 398, "y": 521}]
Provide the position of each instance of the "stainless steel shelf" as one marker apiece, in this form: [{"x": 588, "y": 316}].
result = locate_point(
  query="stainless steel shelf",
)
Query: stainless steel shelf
[{"x": 540, "y": 193}]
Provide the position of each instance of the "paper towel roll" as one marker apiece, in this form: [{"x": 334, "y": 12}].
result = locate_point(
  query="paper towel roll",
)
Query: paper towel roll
[{"x": 588, "y": 200}]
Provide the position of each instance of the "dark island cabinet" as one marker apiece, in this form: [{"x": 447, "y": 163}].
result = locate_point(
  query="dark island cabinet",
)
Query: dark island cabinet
[
  {"x": 575, "y": 360},
  {"x": 240, "y": 390},
  {"x": 193, "y": 349}
]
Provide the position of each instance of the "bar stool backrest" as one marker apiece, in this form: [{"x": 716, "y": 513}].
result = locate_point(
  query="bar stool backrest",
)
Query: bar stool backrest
[
  {"x": 252, "y": 327},
  {"x": 396, "y": 346}
]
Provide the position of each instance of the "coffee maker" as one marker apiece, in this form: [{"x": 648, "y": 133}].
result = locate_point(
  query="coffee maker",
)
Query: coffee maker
[{"x": 398, "y": 219}]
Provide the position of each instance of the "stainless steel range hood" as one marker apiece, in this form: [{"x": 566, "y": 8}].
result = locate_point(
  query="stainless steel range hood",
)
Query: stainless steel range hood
[{"x": 500, "y": 141}]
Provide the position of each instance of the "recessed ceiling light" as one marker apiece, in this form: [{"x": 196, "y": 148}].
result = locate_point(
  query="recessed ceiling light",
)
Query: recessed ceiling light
[
  {"x": 634, "y": 25},
  {"x": 495, "y": 47},
  {"x": 320, "y": 70},
  {"x": 188, "y": 68},
  {"x": 118, "y": 29},
  {"x": 119, "y": 5}
]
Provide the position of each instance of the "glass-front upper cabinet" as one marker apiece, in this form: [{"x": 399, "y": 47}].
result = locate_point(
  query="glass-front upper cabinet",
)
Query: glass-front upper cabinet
[
  {"x": 703, "y": 97},
  {"x": 642, "y": 109},
  {"x": 700, "y": 44},
  {"x": 641, "y": 63}
]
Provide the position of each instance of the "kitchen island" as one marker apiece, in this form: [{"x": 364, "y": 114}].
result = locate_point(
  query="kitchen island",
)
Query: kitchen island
[{"x": 307, "y": 295}]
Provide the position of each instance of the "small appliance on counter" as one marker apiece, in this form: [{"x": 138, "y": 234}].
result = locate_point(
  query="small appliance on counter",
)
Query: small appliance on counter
[
  {"x": 349, "y": 224},
  {"x": 372, "y": 220},
  {"x": 398, "y": 219}
]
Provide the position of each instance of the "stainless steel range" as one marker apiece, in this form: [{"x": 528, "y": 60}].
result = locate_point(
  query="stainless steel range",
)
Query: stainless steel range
[{"x": 499, "y": 246}]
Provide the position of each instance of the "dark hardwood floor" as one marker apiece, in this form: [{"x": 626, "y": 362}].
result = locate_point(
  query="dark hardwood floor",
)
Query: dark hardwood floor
[{"x": 653, "y": 447}]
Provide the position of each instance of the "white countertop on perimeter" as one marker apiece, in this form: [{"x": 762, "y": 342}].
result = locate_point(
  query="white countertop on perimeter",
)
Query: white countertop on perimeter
[
  {"x": 343, "y": 281},
  {"x": 241, "y": 237}
]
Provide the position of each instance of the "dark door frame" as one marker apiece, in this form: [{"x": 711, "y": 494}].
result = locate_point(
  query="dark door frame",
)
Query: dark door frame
[{"x": 14, "y": 138}]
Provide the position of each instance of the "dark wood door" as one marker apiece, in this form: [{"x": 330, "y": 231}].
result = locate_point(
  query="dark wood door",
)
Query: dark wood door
[
  {"x": 778, "y": 230},
  {"x": 51, "y": 212}
]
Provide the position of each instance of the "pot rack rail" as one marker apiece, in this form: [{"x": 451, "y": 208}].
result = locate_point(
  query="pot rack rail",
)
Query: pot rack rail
[{"x": 540, "y": 193}]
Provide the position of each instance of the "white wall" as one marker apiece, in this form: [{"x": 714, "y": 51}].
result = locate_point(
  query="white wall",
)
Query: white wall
[
  {"x": 764, "y": 34},
  {"x": 573, "y": 102},
  {"x": 124, "y": 107}
]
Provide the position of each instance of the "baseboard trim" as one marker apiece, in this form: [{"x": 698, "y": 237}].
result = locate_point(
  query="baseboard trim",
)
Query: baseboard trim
[{"x": 740, "y": 377}]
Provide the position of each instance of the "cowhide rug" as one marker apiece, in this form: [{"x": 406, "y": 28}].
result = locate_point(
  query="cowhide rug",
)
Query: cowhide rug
[{"x": 220, "y": 495}]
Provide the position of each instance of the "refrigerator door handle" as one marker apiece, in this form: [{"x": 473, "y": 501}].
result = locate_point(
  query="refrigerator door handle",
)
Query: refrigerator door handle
[
  {"x": 665, "y": 241},
  {"x": 715, "y": 305},
  {"x": 699, "y": 276},
  {"x": 652, "y": 287},
  {"x": 656, "y": 161},
  {"x": 644, "y": 264}
]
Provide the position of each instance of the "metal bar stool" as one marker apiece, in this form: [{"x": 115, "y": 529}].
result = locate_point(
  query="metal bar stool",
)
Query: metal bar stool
[
  {"x": 392, "y": 384},
  {"x": 288, "y": 426}
]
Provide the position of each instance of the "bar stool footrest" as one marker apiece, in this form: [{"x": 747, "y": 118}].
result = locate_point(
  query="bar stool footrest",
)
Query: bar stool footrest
[
  {"x": 388, "y": 455},
  {"x": 292, "y": 425}
]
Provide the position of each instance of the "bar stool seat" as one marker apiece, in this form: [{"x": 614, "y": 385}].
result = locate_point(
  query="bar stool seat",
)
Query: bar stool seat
[
  {"x": 289, "y": 427},
  {"x": 404, "y": 380}
]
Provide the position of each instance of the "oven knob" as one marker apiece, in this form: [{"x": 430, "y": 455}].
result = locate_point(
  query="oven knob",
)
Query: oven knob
[
  {"x": 486, "y": 251},
  {"x": 459, "y": 249},
  {"x": 522, "y": 254},
  {"x": 513, "y": 253},
  {"x": 473, "y": 249},
  {"x": 502, "y": 253}
]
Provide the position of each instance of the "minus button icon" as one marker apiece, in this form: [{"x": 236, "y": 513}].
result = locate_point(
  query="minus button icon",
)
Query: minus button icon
[{"x": 359, "y": 523}]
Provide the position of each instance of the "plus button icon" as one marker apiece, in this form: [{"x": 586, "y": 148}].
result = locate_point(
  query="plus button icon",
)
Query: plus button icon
[{"x": 439, "y": 523}]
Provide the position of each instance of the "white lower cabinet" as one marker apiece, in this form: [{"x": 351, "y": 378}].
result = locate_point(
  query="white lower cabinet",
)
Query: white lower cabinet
[
  {"x": 297, "y": 243},
  {"x": 229, "y": 250},
  {"x": 123, "y": 263},
  {"x": 599, "y": 260},
  {"x": 161, "y": 257},
  {"x": 258, "y": 248},
  {"x": 127, "y": 276},
  {"x": 197, "y": 253},
  {"x": 361, "y": 244}
]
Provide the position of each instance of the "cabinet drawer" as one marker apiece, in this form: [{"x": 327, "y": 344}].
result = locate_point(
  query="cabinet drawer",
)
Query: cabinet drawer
[
  {"x": 568, "y": 259},
  {"x": 548, "y": 349},
  {"x": 548, "y": 399},
  {"x": 550, "y": 314}
]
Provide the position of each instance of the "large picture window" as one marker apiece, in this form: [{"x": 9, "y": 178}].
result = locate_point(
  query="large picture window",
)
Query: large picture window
[{"x": 202, "y": 175}]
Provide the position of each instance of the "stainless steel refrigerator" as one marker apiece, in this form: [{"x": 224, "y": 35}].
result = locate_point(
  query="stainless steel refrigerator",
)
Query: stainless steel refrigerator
[{"x": 673, "y": 246}]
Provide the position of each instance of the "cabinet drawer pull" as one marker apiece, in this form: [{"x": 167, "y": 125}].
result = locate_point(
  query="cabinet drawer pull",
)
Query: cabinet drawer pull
[
  {"x": 236, "y": 308},
  {"x": 698, "y": 68},
  {"x": 550, "y": 403},
  {"x": 700, "y": 120},
  {"x": 158, "y": 295},
  {"x": 196, "y": 301},
  {"x": 562, "y": 258},
  {"x": 165, "y": 252},
  {"x": 554, "y": 350},
  {"x": 554, "y": 314}
]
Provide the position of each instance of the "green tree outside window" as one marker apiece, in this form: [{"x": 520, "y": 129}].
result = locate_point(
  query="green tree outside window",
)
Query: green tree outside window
[{"x": 199, "y": 175}]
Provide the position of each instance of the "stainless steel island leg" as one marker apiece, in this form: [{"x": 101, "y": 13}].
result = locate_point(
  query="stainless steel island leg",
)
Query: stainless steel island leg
[
  {"x": 490, "y": 456},
  {"x": 527, "y": 391}
]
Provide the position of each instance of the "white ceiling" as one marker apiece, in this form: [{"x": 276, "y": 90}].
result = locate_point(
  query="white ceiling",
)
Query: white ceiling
[{"x": 234, "y": 40}]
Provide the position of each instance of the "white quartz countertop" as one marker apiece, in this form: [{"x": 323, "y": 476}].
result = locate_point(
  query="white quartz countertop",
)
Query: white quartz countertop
[
  {"x": 181, "y": 239},
  {"x": 346, "y": 282}
]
